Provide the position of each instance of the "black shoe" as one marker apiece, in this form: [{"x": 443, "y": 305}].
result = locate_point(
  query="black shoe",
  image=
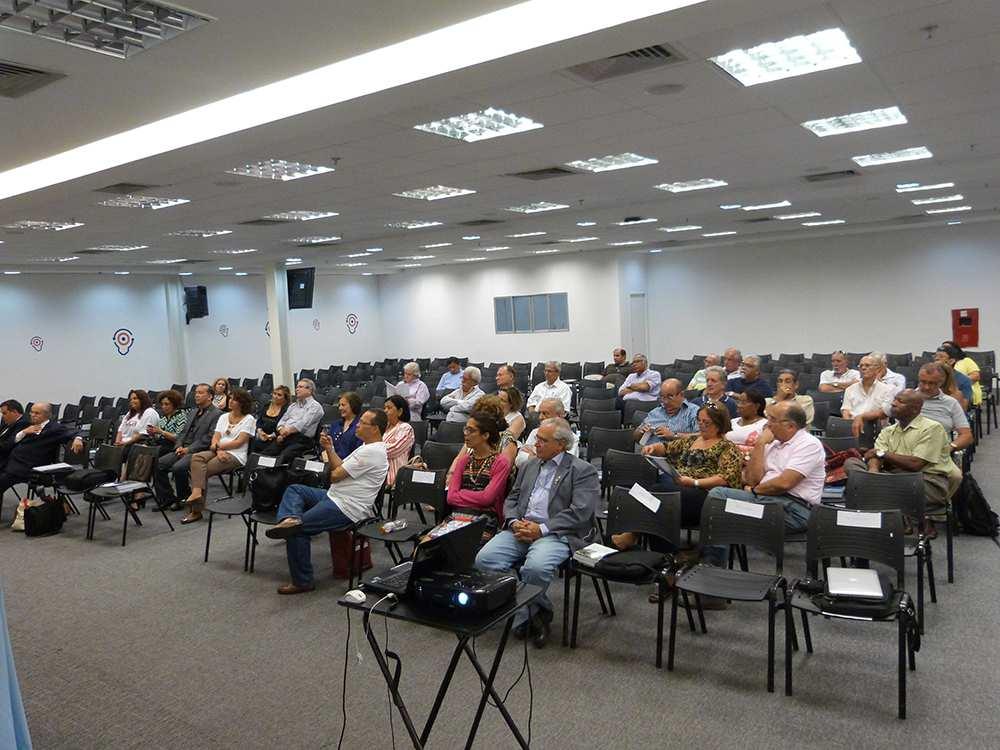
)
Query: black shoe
[
  {"x": 283, "y": 532},
  {"x": 540, "y": 631}
]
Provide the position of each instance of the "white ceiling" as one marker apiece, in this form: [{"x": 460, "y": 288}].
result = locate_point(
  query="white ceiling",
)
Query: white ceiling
[{"x": 944, "y": 80}]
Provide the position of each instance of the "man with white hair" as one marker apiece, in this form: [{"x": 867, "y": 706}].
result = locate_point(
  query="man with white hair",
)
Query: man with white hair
[
  {"x": 893, "y": 379},
  {"x": 461, "y": 401},
  {"x": 36, "y": 444},
  {"x": 414, "y": 390},
  {"x": 642, "y": 384},
  {"x": 548, "y": 515},
  {"x": 869, "y": 400},
  {"x": 698, "y": 381},
  {"x": 551, "y": 387},
  {"x": 550, "y": 408},
  {"x": 731, "y": 359}
]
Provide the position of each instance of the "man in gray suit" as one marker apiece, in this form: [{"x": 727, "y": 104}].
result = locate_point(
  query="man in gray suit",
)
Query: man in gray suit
[
  {"x": 547, "y": 516},
  {"x": 197, "y": 436}
]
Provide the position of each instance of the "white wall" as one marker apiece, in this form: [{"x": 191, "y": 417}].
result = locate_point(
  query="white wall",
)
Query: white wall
[
  {"x": 891, "y": 291},
  {"x": 76, "y": 322},
  {"x": 449, "y": 310}
]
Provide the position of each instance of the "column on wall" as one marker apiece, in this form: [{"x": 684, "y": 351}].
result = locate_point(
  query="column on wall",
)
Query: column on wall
[
  {"x": 178, "y": 347},
  {"x": 276, "y": 286}
]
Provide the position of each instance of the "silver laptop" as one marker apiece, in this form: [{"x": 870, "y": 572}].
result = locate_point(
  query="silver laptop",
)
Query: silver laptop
[{"x": 857, "y": 583}]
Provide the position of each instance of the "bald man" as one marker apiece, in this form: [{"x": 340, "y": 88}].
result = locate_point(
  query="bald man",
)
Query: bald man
[
  {"x": 698, "y": 381},
  {"x": 675, "y": 416},
  {"x": 37, "y": 445}
]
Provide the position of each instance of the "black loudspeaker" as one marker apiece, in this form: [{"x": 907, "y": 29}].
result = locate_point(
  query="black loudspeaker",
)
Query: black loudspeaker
[
  {"x": 300, "y": 288},
  {"x": 196, "y": 302}
]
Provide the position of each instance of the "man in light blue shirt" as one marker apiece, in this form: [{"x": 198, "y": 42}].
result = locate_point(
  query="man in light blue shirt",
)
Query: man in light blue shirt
[
  {"x": 674, "y": 417},
  {"x": 452, "y": 379}
]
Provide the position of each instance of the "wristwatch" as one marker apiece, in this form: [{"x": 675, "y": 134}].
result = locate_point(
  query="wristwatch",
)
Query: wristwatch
[
  {"x": 879, "y": 454},
  {"x": 695, "y": 482}
]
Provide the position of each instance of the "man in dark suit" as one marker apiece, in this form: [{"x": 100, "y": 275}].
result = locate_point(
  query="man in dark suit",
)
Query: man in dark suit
[
  {"x": 12, "y": 421},
  {"x": 197, "y": 436},
  {"x": 36, "y": 445},
  {"x": 548, "y": 515}
]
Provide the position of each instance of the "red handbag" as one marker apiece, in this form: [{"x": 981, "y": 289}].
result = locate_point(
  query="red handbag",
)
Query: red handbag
[{"x": 340, "y": 551}]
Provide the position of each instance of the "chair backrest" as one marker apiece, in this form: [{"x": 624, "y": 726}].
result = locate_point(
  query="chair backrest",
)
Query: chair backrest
[
  {"x": 904, "y": 491},
  {"x": 602, "y": 439},
  {"x": 840, "y": 443},
  {"x": 596, "y": 404},
  {"x": 821, "y": 412},
  {"x": 875, "y": 536},
  {"x": 105, "y": 401},
  {"x": 376, "y": 402},
  {"x": 593, "y": 368},
  {"x": 419, "y": 432},
  {"x": 249, "y": 384},
  {"x": 450, "y": 432},
  {"x": 611, "y": 420},
  {"x": 626, "y": 514},
  {"x": 570, "y": 371},
  {"x": 623, "y": 469},
  {"x": 837, "y": 427},
  {"x": 109, "y": 457},
  {"x": 439, "y": 455},
  {"x": 412, "y": 486},
  {"x": 100, "y": 431},
  {"x": 141, "y": 463},
  {"x": 634, "y": 405},
  {"x": 732, "y": 521},
  {"x": 638, "y": 417},
  {"x": 86, "y": 401},
  {"x": 70, "y": 414}
]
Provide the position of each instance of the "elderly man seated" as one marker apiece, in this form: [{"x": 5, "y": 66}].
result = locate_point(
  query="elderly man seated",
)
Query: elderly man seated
[
  {"x": 674, "y": 417},
  {"x": 715, "y": 390},
  {"x": 551, "y": 387},
  {"x": 914, "y": 443},
  {"x": 296, "y": 429},
  {"x": 461, "y": 401},
  {"x": 749, "y": 377},
  {"x": 36, "y": 444},
  {"x": 548, "y": 515},
  {"x": 893, "y": 379},
  {"x": 550, "y": 408},
  {"x": 841, "y": 377},
  {"x": 787, "y": 466},
  {"x": 942, "y": 408},
  {"x": 697, "y": 383},
  {"x": 12, "y": 421},
  {"x": 731, "y": 359},
  {"x": 619, "y": 368},
  {"x": 506, "y": 377},
  {"x": 642, "y": 384},
  {"x": 869, "y": 400}
]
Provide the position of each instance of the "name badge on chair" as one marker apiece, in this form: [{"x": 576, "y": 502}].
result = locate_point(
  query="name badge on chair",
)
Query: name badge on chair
[{"x": 859, "y": 520}]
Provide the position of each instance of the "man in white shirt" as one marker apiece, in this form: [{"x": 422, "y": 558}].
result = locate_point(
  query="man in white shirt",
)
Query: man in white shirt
[
  {"x": 893, "y": 379},
  {"x": 869, "y": 400},
  {"x": 461, "y": 401},
  {"x": 698, "y": 381},
  {"x": 732, "y": 358},
  {"x": 551, "y": 387},
  {"x": 840, "y": 377},
  {"x": 550, "y": 408},
  {"x": 642, "y": 384},
  {"x": 354, "y": 486}
]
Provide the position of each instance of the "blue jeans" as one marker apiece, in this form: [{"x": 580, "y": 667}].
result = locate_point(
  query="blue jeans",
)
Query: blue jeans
[
  {"x": 796, "y": 514},
  {"x": 541, "y": 558},
  {"x": 318, "y": 513}
]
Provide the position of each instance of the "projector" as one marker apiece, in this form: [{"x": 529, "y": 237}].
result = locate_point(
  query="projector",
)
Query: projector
[{"x": 474, "y": 592}]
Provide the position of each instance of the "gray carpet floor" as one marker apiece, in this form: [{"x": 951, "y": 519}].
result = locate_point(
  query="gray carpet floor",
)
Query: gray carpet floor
[{"x": 147, "y": 646}]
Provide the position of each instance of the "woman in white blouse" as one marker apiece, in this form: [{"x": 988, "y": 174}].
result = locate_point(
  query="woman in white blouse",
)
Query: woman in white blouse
[
  {"x": 227, "y": 452},
  {"x": 414, "y": 390},
  {"x": 746, "y": 429},
  {"x": 511, "y": 402},
  {"x": 141, "y": 415}
]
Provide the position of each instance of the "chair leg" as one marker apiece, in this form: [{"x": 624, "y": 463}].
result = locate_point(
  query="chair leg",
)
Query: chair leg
[
  {"x": 687, "y": 608},
  {"x": 208, "y": 536},
  {"x": 805, "y": 632},
  {"x": 253, "y": 546},
  {"x": 600, "y": 596},
  {"x": 576, "y": 611},
  {"x": 902, "y": 664},
  {"x": 770, "y": 645},
  {"x": 661, "y": 591},
  {"x": 932, "y": 585},
  {"x": 920, "y": 590},
  {"x": 701, "y": 613},
  {"x": 611, "y": 602},
  {"x": 567, "y": 574},
  {"x": 673, "y": 630},
  {"x": 950, "y": 543},
  {"x": 246, "y": 545},
  {"x": 790, "y": 639}
]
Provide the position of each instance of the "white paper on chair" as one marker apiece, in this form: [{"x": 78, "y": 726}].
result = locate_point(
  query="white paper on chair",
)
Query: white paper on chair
[
  {"x": 315, "y": 466},
  {"x": 390, "y": 390},
  {"x": 51, "y": 467},
  {"x": 268, "y": 462},
  {"x": 743, "y": 508},
  {"x": 424, "y": 477},
  {"x": 645, "y": 497},
  {"x": 859, "y": 520}
]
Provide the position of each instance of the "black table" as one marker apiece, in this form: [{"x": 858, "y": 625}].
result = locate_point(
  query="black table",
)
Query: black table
[{"x": 464, "y": 628}]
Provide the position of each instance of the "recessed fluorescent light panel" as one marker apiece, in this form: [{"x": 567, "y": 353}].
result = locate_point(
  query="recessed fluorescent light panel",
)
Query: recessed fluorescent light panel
[
  {"x": 200, "y": 233},
  {"x": 416, "y": 257},
  {"x": 117, "y": 248},
  {"x": 279, "y": 169},
  {"x": 824, "y": 223},
  {"x": 687, "y": 186},
  {"x": 122, "y": 273},
  {"x": 680, "y": 228},
  {"x": 952, "y": 223},
  {"x": 479, "y": 126},
  {"x": 410, "y": 265},
  {"x": 143, "y": 201},
  {"x": 57, "y": 260},
  {"x": 656, "y": 250},
  {"x": 546, "y": 252},
  {"x": 468, "y": 260},
  {"x": 373, "y": 249},
  {"x": 763, "y": 206},
  {"x": 225, "y": 268},
  {"x": 891, "y": 157},
  {"x": 434, "y": 245},
  {"x": 952, "y": 210},
  {"x": 357, "y": 255},
  {"x": 938, "y": 199},
  {"x": 240, "y": 273},
  {"x": 525, "y": 234},
  {"x": 11, "y": 273},
  {"x": 611, "y": 162},
  {"x": 580, "y": 239},
  {"x": 470, "y": 237},
  {"x": 537, "y": 207},
  {"x": 855, "y": 122},
  {"x": 44, "y": 226},
  {"x": 321, "y": 239},
  {"x": 584, "y": 224},
  {"x": 628, "y": 222},
  {"x": 625, "y": 244},
  {"x": 351, "y": 265},
  {"x": 495, "y": 248},
  {"x": 301, "y": 215},
  {"x": 730, "y": 206},
  {"x": 166, "y": 261},
  {"x": 916, "y": 187},
  {"x": 412, "y": 224},
  {"x": 235, "y": 251},
  {"x": 185, "y": 273},
  {"x": 803, "y": 215},
  {"x": 718, "y": 234},
  {"x": 434, "y": 193},
  {"x": 795, "y": 56}
]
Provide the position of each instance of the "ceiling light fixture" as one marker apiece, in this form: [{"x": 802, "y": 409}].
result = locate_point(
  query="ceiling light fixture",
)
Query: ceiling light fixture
[
  {"x": 470, "y": 237},
  {"x": 199, "y": 233},
  {"x": 795, "y": 56},
  {"x": 434, "y": 193},
  {"x": 891, "y": 157},
  {"x": 546, "y": 252},
  {"x": 479, "y": 126},
  {"x": 143, "y": 201},
  {"x": 410, "y": 265},
  {"x": 279, "y": 169},
  {"x": 469, "y": 260},
  {"x": 321, "y": 239},
  {"x": 117, "y": 248},
  {"x": 373, "y": 249},
  {"x": 625, "y": 244},
  {"x": 916, "y": 187},
  {"x": 529, "y": 234},
  {"x": 11, "y": 273},
  {"x": 688, "y": 185},
  {"x": 824, "y": 223},
  {"x": 367, "y": 273},
  {"x": 495, "y": 248},
  {"x": 166, "y": 261},
  {"x": 416, "y": 224},
  {"x": 537, "y": 207},
  {"x": 435, "y": 244},
  {"x": 580, "y": 239},
  {"x": 856, "y": 122},
  {"x": 937, "y": 199},
  {"x": 611, "y": 162},
  {"x": 300, "y": 215},
  {"x": 579, "y": 224},
  {"x": 803, "y": 215},
  {"x": 225, "y": 268},
  {"x": 763, "y": 206},
  {"x": 235, "y": 251},
  {"x": 293, "y": 260},
  {"x": 680, "y": 228},
  {"x": 57, "y": 259},
  {"x": 730, "y": 206},
  {"x": 953, "y": 222},
  {"x": 656, "y": 250},
  {"x": 122, "y": 273},
  {"x": 630, "y": 222},
  {"x": 44, "y": 226},
  {"x": 718, "y": 234},
  {"x": 240, "y": 273},
  {"x": 184, "y": 273},
  {"x": 952, "y": 210},
  {"x": 356, "y": 255},
  {"x": 416, "y": 257},
  {"x": 351, "y": 265}
]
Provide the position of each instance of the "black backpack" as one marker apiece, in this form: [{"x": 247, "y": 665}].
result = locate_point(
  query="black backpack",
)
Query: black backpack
[
  {"x": 268, "y": 485},
  {"x": 44, "y": 519},
  {"x": 973, "y": 511}
]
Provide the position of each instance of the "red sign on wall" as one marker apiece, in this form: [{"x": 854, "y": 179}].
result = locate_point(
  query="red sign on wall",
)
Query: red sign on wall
[{"x": 965, "y": 326}]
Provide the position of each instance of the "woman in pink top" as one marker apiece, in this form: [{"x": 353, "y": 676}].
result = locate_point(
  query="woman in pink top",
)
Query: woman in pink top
[
  {"x": 478, "y": 484},
  {"x": 398, "y": 436}
]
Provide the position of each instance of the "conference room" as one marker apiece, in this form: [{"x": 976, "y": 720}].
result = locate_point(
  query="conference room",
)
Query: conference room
[{"x": 242, "y": 242}]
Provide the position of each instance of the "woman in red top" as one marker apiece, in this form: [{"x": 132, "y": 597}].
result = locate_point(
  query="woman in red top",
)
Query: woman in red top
[{"x": 478, "y": 484}]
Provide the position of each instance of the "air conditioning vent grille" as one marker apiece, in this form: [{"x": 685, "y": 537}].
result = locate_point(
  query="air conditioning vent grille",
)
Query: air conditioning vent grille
[
  {"x": 827, "y": 176},
  {"x": 547, "y": 173},
  {"x": 480, "y": 222},
  {"x": 126, "y": 188},
  {"x": 18, "y": 80},
  {"x": 263, "y": 222},
  {"x": 626, "y": 63}
]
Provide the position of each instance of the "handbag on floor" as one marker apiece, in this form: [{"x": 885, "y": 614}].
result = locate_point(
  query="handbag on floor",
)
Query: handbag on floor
[{"x": 47, "y": 517}]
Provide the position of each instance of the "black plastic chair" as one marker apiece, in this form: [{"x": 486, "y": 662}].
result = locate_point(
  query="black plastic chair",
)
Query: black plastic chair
[
  {"x": 593, "y": 368},
  {"x": 439, "y": 455},
  {"x": 838, "y": 427},
  {"x": 734, "y": 522},
  {"x": 830, "y": 535},
  {"x": 588, "y": 403},
  {"x": 138, "y": 479},
  {"x": 603, "y": 439},
  {"x": 610, "y": 420},
  {"x": 839, "y": 443},
  {"x": 623, "y": 469},
  {"x": 409, "y": 489},
  {"x": 633, "y": 405},
  {"x": 419, "y": 432},
  {"x": 450, "y": 432},
  {"x": 628, "y": 515}
]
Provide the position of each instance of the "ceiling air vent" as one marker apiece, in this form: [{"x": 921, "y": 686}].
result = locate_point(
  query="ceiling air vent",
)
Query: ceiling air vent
[
  {"x": 263, "y": 222},
  {"x": 828, "y": 176},
  {"x": 94, "y": 252},
  {"x": 126, "y": 188},
  {"x": 479, "y": 222},
  {"x": 638, "y": 60},
  {"x": 543, "y": 174},
  {"x": 18, "y": 80},
  {"x": 756, "y": 220}
]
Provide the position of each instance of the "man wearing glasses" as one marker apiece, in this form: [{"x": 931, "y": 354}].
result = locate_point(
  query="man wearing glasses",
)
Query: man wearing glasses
[
  {"x": 551, "y": 387},
  {"x": 675, "y": 416},
  {"x": 355, "y": 482}
]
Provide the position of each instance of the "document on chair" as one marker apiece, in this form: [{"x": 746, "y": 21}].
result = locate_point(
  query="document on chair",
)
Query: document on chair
[
  {"x": 315, "y": 466},
  {"x": 52, "y": 467},
  {"x": 743, "y": 508},
  {"x": 859, "y": 519},
  {"x": 424, "y": 477},
  {"x": 268, "y": 462},
  {"x": 645, "y": 497}
]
